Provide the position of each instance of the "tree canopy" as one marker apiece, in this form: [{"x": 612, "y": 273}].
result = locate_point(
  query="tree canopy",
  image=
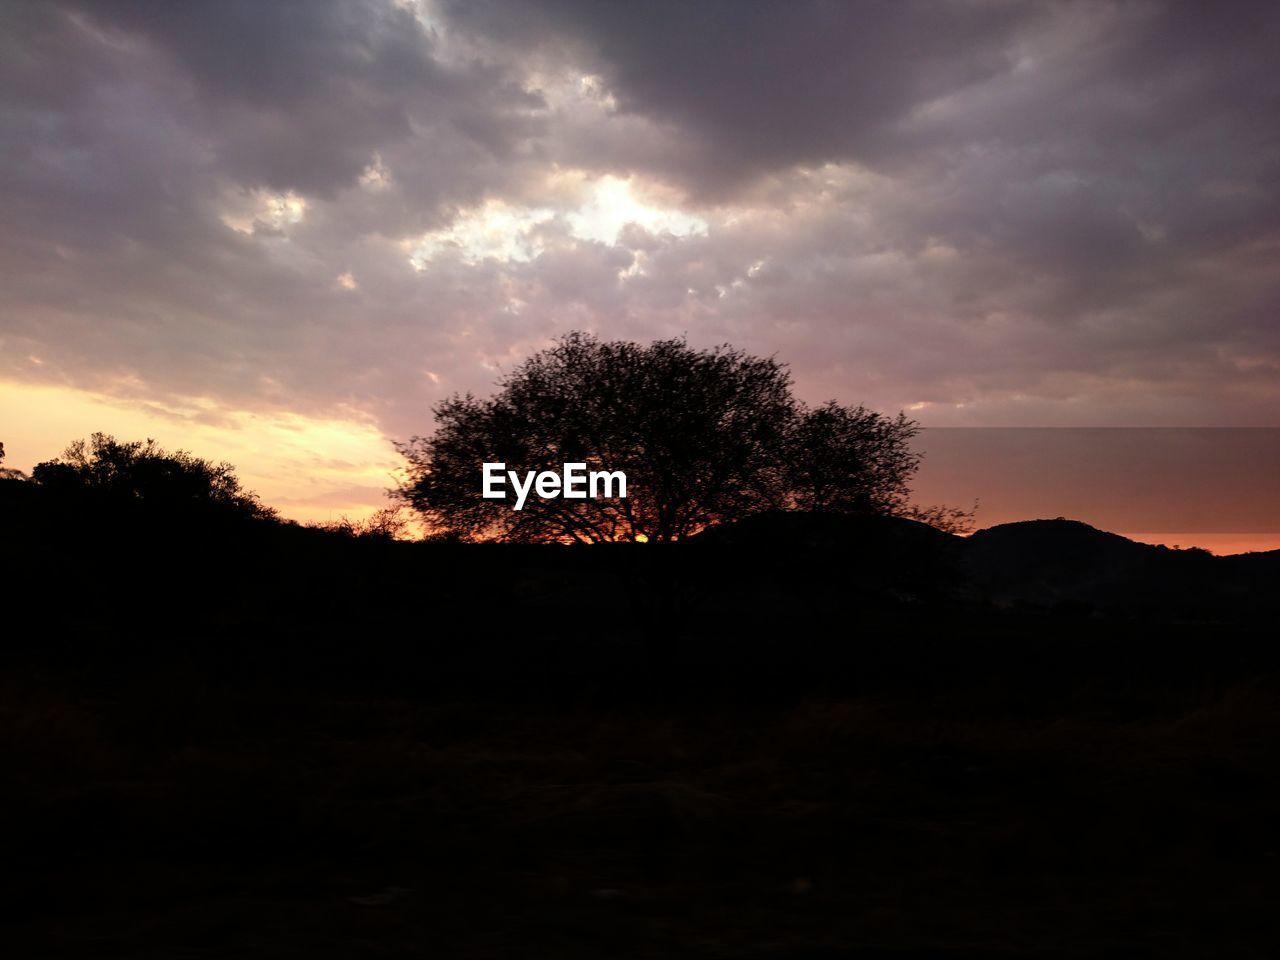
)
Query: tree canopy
[
  {"x": 703, "y": 436},
  {"x": 140, "y": 474}
]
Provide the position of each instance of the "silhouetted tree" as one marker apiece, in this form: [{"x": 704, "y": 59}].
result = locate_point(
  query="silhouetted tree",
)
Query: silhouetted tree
[
  {"x": 388, "y": 523},
  {"x": 695, "y": 431},
  {"x": 141, "y": 474},
  {"x": 850, "y": 460},
  {"x": 703, "y": 436},
  {"x": 955, "y": 520},
  {"x": 5, "y": 472}
]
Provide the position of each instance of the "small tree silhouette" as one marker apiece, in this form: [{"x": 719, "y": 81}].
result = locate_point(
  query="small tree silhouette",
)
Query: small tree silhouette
[
  {"x": 703, "y": 436},
  {"x": 5, "y": 472}
]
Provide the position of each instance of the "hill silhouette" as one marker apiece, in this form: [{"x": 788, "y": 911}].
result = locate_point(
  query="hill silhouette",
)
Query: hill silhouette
[{"x": 1066, "y": 561}]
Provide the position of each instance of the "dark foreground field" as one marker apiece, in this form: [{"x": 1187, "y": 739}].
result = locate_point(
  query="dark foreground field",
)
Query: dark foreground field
[
  {"x": 312, "y": 747},
  {"x": 217, "y": 826}
]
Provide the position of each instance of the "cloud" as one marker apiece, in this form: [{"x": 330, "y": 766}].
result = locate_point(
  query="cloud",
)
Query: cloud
[{"x": 984, "y": 212}]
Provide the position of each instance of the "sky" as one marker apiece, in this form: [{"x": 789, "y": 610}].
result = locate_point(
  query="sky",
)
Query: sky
[{"x": 278, "y": 233}]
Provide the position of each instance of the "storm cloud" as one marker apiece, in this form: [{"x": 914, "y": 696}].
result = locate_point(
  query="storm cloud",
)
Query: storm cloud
[{"x": 982, "y": 212}]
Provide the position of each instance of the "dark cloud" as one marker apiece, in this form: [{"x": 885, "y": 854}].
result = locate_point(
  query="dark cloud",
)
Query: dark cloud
[
  {"x": 293, "y": 95},
  {"x": 758, "y": 86}
]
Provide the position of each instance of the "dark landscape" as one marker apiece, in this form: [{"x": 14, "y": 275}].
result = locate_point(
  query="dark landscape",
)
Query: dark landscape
[{"x": 796, "y": 735}]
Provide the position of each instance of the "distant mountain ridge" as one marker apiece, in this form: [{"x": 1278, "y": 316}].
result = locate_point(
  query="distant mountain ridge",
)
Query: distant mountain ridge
[
  {"x": 1068, "y": 560},
  {"x": 1032, "y": 562}
]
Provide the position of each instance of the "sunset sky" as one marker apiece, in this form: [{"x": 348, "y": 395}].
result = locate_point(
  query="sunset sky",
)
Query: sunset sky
[{"x": 277, "y": 233}]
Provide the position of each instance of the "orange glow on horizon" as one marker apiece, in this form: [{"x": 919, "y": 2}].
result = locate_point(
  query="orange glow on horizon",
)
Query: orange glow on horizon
[
  {"x": 310, "y": 468},
  {"x": 1220, "y": 544}
]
